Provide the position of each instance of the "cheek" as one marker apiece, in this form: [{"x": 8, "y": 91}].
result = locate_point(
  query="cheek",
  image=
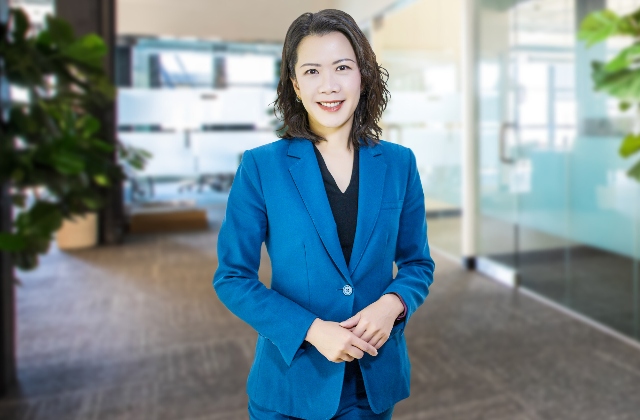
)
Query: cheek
[
  {"x": 354, "y": 91},
  {"x": 307, "y": 86},
  {"x": 356, "y": 83}
]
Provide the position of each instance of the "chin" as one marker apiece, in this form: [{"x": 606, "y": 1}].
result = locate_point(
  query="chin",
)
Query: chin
[{"x": 332, "y": 124}]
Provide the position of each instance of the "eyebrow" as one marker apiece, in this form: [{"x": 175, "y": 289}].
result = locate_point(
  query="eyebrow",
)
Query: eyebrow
[{"x": 319, "y": 65}]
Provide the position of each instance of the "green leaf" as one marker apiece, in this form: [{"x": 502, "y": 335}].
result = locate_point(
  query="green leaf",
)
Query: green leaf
[
  {"x": 90, "y": 125},
  {"x": 44, "y": 39},
  {"x": 39, "y": 244},
  {"x": 60, "y": 31},
  {"x": 634, "y": 172},
  {"x": 623, "y": 106},
  {"x": 624, "y": 59},
  {"x": 25, "y": 260},
  {"x": 623, "y": 84},
  {"x": 598, "y": 26},
  {"x": 102, "y": 146},
  {"x": 68, "y": 163},
  {"x": 630, "y": 145},
  {"x": 12, "y": 242},
  {"x": 88, "y": 50},
  {"x": 17, "y": 175},
  {"x": 91, "y": 203},
  {"x": 101, "y": 180},
  {"x": 20, "y": 24},
  {"x": 44, "y": 218},
  {"x": 630, "y": 24}
]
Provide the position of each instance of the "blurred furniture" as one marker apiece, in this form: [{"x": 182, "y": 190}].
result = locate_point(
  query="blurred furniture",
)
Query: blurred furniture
[
  {"x": 82, "y": 232},
  {"x": 171, "y": 159},
  {"x": 218, "y": 154},
  {"x": 167, "y": 217}
]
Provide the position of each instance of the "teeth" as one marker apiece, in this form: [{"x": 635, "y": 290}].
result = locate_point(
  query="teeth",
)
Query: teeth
[{"x": 331, "y": 104}]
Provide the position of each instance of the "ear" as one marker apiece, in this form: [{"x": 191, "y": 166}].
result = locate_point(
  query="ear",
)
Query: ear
[{"x": 295, "y": 85}]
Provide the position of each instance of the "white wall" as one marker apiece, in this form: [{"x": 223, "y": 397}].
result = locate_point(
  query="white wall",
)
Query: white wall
[
  {"x": 363, "y": 10},
  {"x": 234, "y": 20}
]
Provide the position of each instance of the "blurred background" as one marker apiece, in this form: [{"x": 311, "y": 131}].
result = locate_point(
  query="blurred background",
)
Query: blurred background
[{"x": 532, "y": 219}]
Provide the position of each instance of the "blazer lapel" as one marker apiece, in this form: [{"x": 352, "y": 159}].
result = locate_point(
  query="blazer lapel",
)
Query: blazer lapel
[
  {"x": 372, "y": 175},
  {"x": 308, "y": 179}
]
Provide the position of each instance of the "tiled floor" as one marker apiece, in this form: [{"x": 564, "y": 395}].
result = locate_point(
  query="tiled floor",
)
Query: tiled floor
[{"x": 136, "y": 332}]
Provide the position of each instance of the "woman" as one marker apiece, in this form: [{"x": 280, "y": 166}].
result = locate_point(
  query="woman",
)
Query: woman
[{"x": 336, "y": 206}]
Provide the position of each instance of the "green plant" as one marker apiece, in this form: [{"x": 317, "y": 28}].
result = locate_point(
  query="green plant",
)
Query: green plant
[
  {"x": 52, "y": 152},
  {"x": 620, "y": 76}
]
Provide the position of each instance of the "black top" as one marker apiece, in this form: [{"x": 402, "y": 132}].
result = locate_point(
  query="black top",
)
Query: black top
[{"x": 344, "y": 206}]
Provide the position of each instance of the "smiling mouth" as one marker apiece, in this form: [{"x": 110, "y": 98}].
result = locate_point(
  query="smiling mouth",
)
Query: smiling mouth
[{"x": 330, "y": 106}]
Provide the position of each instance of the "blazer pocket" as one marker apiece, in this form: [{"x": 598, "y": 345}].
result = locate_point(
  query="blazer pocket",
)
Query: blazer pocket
[
  {"x": 305, "y": 345},
  {"x": 393, "y": 204}
]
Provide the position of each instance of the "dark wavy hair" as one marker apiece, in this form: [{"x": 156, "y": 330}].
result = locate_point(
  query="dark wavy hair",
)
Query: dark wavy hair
[{"x": 373, "y": 99}]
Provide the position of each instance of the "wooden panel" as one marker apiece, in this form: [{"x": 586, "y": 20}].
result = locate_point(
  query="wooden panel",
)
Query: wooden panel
[{"x": 195, "y": 219}]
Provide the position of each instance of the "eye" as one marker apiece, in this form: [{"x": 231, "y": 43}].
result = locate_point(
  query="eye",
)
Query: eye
[
  {"x": 309, "y": 71},
  {"x": 344, "y": 66}
]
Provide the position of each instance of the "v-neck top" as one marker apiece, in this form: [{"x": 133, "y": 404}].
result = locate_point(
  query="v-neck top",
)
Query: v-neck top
[{"x": 344, "y": 205}]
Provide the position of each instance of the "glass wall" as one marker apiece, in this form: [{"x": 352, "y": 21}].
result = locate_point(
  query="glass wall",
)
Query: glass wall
[
  {"x": 196, "y": 106},
  {"x": 556, "y": 206},
  {"x": 171, "y": 63},
  {"x": 424, "y": 111}
]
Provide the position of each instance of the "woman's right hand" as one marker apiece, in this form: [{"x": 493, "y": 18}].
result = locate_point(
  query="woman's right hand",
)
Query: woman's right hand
[{"x": 336, "y": 343}]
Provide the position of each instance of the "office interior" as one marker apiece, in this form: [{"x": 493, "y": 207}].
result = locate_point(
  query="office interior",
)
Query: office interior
[{"x": 530, "y": 212}]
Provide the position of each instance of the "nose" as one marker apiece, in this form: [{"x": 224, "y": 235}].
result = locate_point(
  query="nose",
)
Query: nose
[{"x": 329, "y": 83}]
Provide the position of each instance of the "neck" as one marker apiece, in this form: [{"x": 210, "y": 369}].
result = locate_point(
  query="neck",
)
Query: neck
[{"x": 337, "y": 138}]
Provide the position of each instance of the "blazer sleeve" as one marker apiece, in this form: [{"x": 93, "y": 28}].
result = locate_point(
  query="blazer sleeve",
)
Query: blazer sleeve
[
  {"x": 277, "y": 318},
  {"x": 412, "y": 256}
]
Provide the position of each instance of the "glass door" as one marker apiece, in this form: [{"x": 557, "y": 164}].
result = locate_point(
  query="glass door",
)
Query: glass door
[
  {"x": 498, "y": 137},
  {"x": 557, "y": 213}
]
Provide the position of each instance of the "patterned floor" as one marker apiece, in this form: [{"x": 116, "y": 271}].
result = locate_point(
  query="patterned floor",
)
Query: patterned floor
[{"x": 136, "y": 332}]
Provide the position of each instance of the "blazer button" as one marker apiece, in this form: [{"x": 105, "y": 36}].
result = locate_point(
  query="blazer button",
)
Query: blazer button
[{"x": 347, "y": 290}]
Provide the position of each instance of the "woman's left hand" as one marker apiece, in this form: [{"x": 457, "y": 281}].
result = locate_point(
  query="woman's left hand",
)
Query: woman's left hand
[{"x": 373, "y": 324}]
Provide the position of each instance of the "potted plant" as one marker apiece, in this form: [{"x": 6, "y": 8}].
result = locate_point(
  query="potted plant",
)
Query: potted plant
[
  {"x": 620, "y": 76},
  {"x": 52, "y": 152}
]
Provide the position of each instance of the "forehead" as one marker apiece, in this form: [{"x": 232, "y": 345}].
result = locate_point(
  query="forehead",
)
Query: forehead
[{"x": 324, "y": 49}]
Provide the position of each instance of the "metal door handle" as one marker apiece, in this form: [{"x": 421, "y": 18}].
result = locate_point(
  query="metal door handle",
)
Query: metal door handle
[{"x": 503, "y": 131}]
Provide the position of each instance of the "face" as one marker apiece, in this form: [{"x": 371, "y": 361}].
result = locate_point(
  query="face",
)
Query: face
[{"x": 327, "y": 82}]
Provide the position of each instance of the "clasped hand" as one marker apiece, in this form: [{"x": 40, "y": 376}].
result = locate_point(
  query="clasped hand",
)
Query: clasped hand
[{"x": 366, "y": 331}]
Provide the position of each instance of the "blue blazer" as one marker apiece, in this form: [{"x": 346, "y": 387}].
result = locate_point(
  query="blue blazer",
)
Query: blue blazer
[{"x": 278, "y": 197}]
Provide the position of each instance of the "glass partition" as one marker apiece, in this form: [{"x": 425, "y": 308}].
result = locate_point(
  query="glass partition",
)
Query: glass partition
[
  {"x": 424, "y": 111},
  {"x": 196, "y": 106},
  {"x": 557, "y": 210}
]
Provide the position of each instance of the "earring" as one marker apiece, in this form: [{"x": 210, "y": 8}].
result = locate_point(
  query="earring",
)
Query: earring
[{"x": 297, "y": 99}]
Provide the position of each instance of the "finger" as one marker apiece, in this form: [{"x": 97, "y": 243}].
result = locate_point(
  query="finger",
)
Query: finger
[
  {"x": 364, "y": 346},
  {"x": 379, "y": 343},
  {"x": 375, "y": 340},
  {"x": 355, "y": 352},
  {"x": 347, "y": 358},
  {"x": 351, "y": 322},
  {"x": 359, "y": 330},
  {"x": 370, "y": 335}
]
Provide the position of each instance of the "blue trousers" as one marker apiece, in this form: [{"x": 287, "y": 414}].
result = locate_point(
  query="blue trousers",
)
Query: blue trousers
[{"x": 353, "y": 401}]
